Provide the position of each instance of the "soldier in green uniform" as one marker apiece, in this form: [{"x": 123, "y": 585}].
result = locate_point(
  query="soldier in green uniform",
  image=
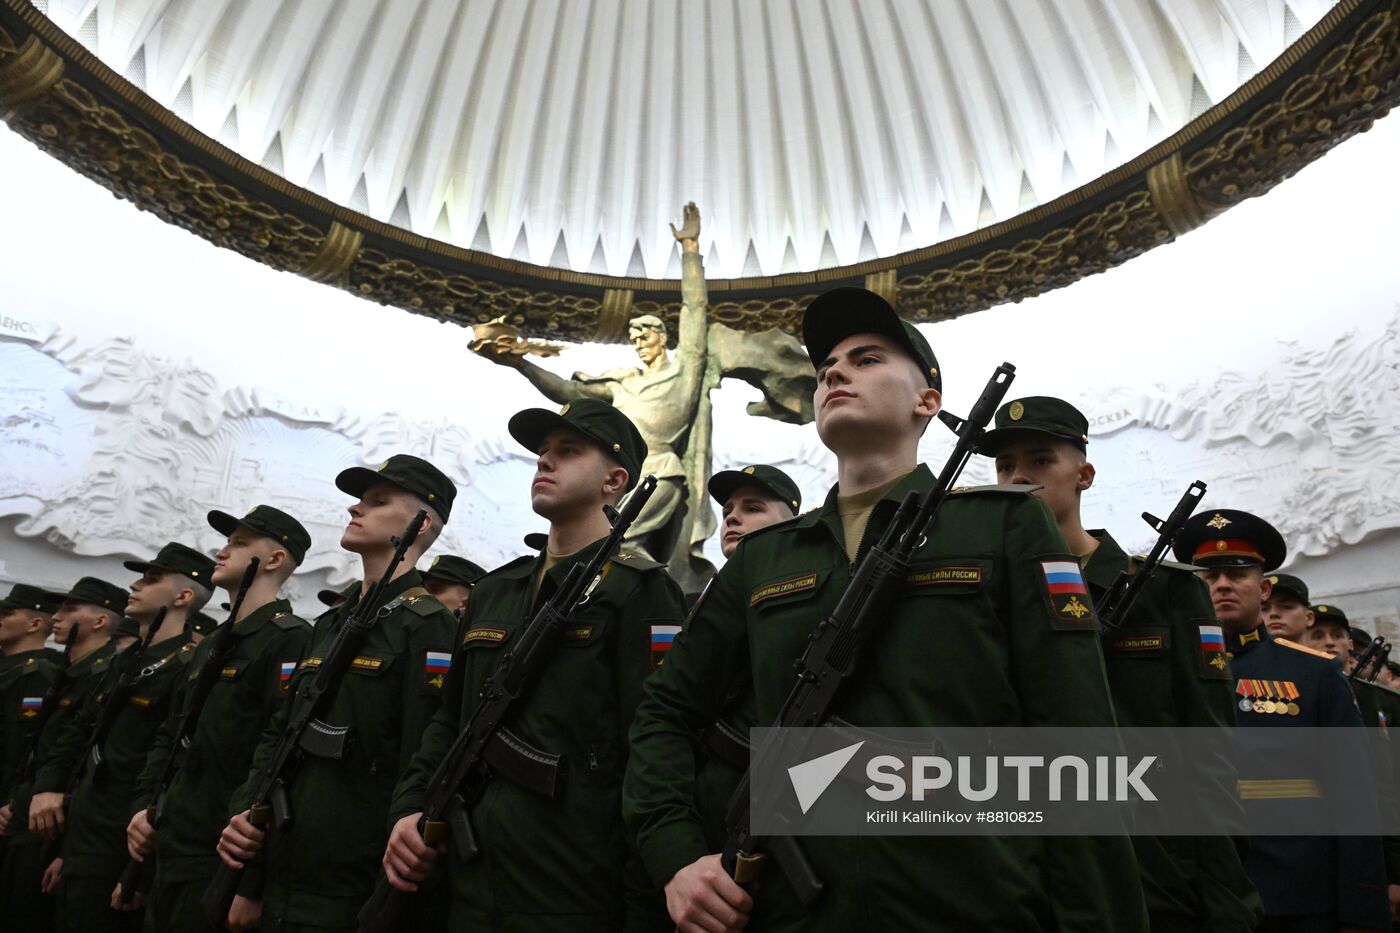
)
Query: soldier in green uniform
[
  {"x": 269, "y": 641},
  {"x": 555, "y": 864},
  {"x": 1022, "y": 656},
  {"x": 323, "y": 868},
  {"x": 94, "y": 608},
  {"x": 451, "y": 579},
  {"x": 1158, "y": 667},
  {"x": 26, "y": 617},
  {"x": 1308, "y": 883},
  {"x": 749, "y": 499},
  {"x": 94, "y": 845},
  {"x": 1287, "y": 613}
]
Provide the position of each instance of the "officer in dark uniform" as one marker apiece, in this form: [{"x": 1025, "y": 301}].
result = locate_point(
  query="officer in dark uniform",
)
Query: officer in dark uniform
[
  {"x": 752, "y": 498},
  {"x": 94, "y": 608},
  {"x": 1380, "y": 709},
  {"x": 1166, "y": 662},
  {"x": 1022, "y": 656},
  {"x": 555, "y": 864},
  {"x": 269, "y": 641},
  {"x": 322, "y": 869},
  {"x": 1308, "y": 883},
  {"x": 94, "y": 846},
  {"x": 451, "y": 579}
]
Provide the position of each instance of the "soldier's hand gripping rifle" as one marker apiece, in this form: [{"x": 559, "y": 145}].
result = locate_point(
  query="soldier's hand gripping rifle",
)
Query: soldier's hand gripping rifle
[
  {"x": 136, "y": 878},
  {"x": 836, "y": 645},
  {"x": 304, "y": 731},
  {"x": 484, "y": 745},
  {"x": 1113, "y": 609},
  {"x": 52, "y": 695}
]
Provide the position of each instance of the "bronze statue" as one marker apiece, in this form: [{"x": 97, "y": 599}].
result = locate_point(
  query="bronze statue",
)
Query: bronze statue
[{"x": 668, "y": 399}]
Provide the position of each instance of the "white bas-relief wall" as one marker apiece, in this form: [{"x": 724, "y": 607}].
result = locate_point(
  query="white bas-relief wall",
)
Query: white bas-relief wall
[{"x": 146, "y": 377}]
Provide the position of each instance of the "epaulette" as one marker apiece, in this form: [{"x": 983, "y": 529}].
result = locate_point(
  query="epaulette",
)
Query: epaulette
[
  {"x": 1005, "y": 488},
  {"x": 288, "y": 621},
  {"x": 635, "y": 561},
  {"x": 420, "y": 601},
  {"x": 1303, "y": 648},
  {"x": 186, "y": 653}
]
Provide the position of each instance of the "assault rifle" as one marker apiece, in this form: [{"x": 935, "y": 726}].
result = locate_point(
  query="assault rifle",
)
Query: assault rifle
[
  {"x": 835, "y": 646},
  {"x": 304, "y": 731},
  {"x": 1368, "y": 665},
  {"x": 1115, "y": 605},
  {"x": 484, "y": 745},
  {"x": 137, "y": 877}
]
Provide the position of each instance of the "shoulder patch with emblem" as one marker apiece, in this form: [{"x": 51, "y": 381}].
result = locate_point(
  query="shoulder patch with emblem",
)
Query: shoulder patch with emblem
[
  {"x": 29, "y": 706},
  {"x": 635, "y": 561},
  {"x": 1304, "y": 648},
  {"x": 285, "y": 670},
  {"x": 1213, "y": 663},
  {"x": 1002, "y": 488},
  {"x": 1062, "y": 582},
  {"x": 423, "y": 603},
  {"x": 288, "y": 621}
]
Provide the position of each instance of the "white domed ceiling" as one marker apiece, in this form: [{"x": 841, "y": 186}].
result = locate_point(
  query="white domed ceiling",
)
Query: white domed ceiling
[{"x": 567, "y": 133}]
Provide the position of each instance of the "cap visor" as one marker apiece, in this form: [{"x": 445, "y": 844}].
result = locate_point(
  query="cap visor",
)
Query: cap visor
[
  {"x": 355, "y": 480},
  {"x": 723, "y": 484},
  {"x": 531, "y": 426},
  {"x": 839, "y": 313},
  {"x": 223, "y": 522},
  {"x": 139, "y": 566}
]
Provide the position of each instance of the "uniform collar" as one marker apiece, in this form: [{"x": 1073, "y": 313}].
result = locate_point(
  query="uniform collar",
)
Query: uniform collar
[
  {"x": 83, "y": 665},
  {"x": 261, "y": 616},
  {"x": 917, "y": 480},
  {"x": 1240, "y": 644},
  {"x": 1102, "y": 568}
]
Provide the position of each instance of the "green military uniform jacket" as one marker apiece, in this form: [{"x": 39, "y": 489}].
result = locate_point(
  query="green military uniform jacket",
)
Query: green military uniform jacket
[
  {"x": 556, "y": 864},
  {"x": 1380, "y": 708},
  {"x": 978, "y": 639},
  {"x": 94, "y": 845},
  {"x": 1160, "y": 676},
  {"x": 323, "y": 869},
  {"x": 22, "y": 687},
  {"x": 268, "y": 645},
  {"x": 52, "y": 769}
]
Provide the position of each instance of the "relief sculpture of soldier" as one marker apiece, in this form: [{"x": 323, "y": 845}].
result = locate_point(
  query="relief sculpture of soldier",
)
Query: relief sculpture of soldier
[{"x": 667, "y": 398}]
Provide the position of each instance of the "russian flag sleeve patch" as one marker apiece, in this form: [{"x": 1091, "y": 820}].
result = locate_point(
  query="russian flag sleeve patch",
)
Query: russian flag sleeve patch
[
  {"x": 436, "y": 664},
  {"x": 1067, "y": 594},
  {"x": 1214, "y": 666},
  {"x": 662, "y": 637}
]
